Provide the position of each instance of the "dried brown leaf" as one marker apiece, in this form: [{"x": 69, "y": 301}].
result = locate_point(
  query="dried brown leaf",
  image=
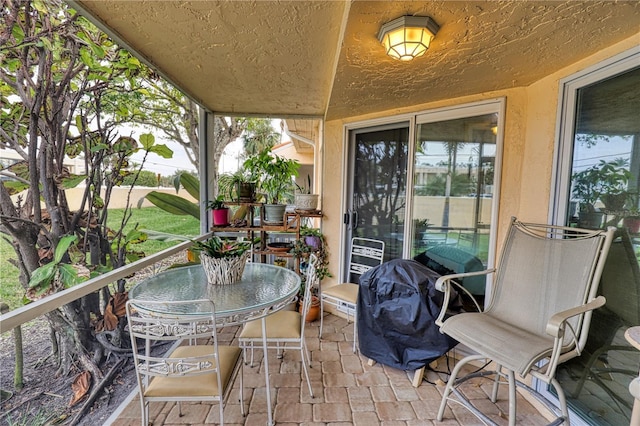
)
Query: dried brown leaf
[{"x": 80, "y": 387}]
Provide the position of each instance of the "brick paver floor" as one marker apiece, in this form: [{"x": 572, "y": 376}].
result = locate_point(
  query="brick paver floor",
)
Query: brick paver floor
[{"x": 348, "y": 391}]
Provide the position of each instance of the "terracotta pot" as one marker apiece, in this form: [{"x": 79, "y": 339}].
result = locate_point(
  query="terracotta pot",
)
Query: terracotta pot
[{"x": 314, "y": 310}]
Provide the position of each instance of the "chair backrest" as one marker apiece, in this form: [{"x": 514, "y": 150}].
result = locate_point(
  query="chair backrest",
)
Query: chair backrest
[
  {"x": 149, "y": 322},
  {"x": 311, "y": 282},
  {"x": 620, "y": 282},
  {"x": 546, "y": 269},
  {"x": 365, "y": 254}
]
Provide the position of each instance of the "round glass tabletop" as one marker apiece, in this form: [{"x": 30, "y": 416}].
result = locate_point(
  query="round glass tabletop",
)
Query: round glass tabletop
[{"x": 262, "y": 287}]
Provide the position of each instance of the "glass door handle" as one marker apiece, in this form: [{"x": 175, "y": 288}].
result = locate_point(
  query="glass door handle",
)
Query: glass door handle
[{"x": 354, "y": 219}]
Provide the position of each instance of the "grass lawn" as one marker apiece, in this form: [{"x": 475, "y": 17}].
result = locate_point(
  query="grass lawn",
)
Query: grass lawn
[{"x": 151, "y": 218}]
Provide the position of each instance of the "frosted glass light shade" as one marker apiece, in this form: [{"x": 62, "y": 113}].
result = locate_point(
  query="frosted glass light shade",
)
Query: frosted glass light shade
[{"x": 407, "y": 37}]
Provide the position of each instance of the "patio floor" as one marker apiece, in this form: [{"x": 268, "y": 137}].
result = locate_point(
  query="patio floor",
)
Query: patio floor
[{"x": 347, "y": 392}]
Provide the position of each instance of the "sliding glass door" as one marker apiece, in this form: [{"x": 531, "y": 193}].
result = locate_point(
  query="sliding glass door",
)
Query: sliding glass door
[
  {"x": 378, "y": 178},
  {"x": 598, "y": 186},
  {"x": 453, "y": 189},
  {"x": 438, "y": 190}
]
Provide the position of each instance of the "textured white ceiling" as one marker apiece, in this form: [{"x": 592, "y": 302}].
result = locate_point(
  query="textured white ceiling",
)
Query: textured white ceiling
[{"x": 322, "y": 58}]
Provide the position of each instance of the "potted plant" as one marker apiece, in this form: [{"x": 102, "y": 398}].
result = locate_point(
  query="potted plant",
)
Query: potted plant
[
  {"x": 275, "y": 180},
  {"x": 219, "y": 212},
  {"x": 239, "y": 186},
  {"x": 305, "y": 200},
  {"x": 223, "y": 260},
  {"x": 301, "y": 250}
]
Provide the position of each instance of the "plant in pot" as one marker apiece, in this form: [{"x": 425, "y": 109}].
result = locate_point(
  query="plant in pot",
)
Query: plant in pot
[
  {"x": 219, "y": 211},
  {"x": 238, "y": 186},
  {"x": 275, "y": 180},
  {"x": 305, "y": 200},
  {"x": 307, "y": 244},
  {"x": 223, "y": 260}
]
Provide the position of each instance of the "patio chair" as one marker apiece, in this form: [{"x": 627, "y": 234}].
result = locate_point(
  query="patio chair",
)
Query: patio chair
[
  {"x": 285, "y": 329},
  {"x": 365, "y": 254},
  {"x": 539, "y": 312},
  {"x": 195, "y": 368}
]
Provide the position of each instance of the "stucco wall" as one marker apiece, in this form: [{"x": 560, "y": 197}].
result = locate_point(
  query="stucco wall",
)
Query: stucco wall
[{"x": 529, "y": 138}]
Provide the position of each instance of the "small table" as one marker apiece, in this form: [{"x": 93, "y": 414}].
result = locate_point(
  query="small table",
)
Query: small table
[{"x": 263, "y": 290}]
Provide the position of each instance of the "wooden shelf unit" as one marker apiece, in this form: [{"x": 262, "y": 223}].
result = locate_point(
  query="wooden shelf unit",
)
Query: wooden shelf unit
[{"x": 291, "y": 225}]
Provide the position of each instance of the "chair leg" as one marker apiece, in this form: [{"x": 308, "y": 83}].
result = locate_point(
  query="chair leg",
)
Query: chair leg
[
  {"x": 512, "y": 398},
  {"x": 562, "y": 400},
  {"x": 451, "y": 382},
  {"x": 321, "y": 316},
  {"x": 355, "y": 330},
  {"x": 303, "y": 351},
  {"x": 496, "y": 383}
]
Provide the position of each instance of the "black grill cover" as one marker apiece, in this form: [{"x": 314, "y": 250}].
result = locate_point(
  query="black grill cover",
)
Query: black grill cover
[{"x": 397, "y": 308}]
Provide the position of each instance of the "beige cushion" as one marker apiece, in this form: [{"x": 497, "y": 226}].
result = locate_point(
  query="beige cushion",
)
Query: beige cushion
[
  {"x": 346, "y": 291},
  {"x": 196, "y": 385},
  {"x": 280, "y": 325}
]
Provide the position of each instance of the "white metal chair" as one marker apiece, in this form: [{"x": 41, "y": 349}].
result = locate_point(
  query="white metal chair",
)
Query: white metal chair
[
  {"x": 365, "y": 254},
  {"x": 195, "y": 368},
  {"x": 285, "y": 329},
  {"x": 539, "y": 312}
]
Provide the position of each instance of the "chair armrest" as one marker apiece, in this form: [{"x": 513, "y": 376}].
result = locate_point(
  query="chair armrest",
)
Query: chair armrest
[
  {"x": 440, "y": 283},
  {"x": 554, "y": 326},
  {"x": 443, "y": 284}
]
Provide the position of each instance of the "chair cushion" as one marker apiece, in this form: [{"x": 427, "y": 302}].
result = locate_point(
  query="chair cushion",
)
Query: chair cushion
[
  {"x": 196, "y": 385},
  {"x": 346, "y": 291},
  {"x": 280, "y": 325},
  {"x": 510, "y": 346}
]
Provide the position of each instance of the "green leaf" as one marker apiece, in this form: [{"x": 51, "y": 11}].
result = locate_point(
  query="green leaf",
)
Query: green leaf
[
  {"x": 42, "y": 275},
  {"x": 17, "y": 33},
  {"x": 162, "y": 150},
  {"x": 191, "y": 184},
  {"x": 173, "y": 204},
  {"x": 86, "y": 57},
  {"x": 147, "y": 140},
  {"x": 79, "y": 123},
  {"x": 99, "y": 147},
  {"x": 68, "y": 275},
  {"x": 63, "y": 246},
  {"x": 97, "y": 50},
  {"x": 136, "y": 237},
  {"x": 73, "y": 181},
  {"x": 164, "y": 236},
  {"x": 14, "y": 186}
]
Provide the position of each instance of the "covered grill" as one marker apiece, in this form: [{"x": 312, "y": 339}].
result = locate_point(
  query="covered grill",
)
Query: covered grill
[{"x": 397, "y": 308}]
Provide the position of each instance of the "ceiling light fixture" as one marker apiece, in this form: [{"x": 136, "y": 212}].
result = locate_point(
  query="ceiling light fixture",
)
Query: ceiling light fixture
[{"x": 408, "y": 37}]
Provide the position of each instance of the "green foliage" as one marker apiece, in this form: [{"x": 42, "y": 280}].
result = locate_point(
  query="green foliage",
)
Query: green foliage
[
  {"x": 143, "y": 178},
  {"x": 217, "y": 247},
  {"x": 216, "y": 204},
  {"x": 607, "y": 178},
  {"x": 259, "y": 136},
  {"x": 175, "y": 204},
  {"x": 275, "y": 175},
  {"x": 43, "y": 277}
]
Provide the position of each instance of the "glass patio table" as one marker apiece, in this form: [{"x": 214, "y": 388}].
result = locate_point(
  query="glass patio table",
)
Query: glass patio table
[{"x": 263, "y": 290}]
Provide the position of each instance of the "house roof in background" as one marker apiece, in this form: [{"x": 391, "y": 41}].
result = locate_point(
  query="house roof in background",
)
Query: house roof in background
[{"x": 323, "y": 58}]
